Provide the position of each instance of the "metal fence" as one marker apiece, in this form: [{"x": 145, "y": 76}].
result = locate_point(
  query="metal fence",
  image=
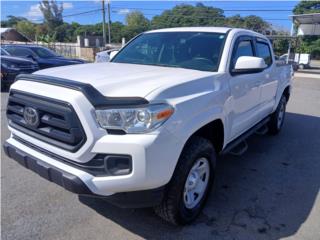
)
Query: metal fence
[{"x": 71, "y": 50}]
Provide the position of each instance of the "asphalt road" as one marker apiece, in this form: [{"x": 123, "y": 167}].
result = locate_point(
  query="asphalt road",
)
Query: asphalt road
[{"x": 270, "y": 192}]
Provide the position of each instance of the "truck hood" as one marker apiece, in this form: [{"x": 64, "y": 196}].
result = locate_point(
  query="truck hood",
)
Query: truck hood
[{"x": 124, "y": 80}]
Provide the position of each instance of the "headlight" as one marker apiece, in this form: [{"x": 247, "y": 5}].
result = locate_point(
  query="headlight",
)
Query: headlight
[
  {"x": 134, "y": 120},
  {"x": 10, "y": 65}
]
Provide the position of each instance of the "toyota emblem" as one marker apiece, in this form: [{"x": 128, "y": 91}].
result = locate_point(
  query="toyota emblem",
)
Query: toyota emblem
[{"x": 31, "y": 116}]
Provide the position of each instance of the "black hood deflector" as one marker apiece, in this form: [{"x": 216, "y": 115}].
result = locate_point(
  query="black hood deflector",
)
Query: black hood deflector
[{"x": 92, "y": 94}]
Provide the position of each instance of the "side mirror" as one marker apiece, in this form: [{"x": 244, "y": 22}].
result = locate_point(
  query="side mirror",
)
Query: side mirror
[
  {"x": 246, "y": 64},
  {"x": 30, "y": 57},
  {"x": 113, "y": 53}
]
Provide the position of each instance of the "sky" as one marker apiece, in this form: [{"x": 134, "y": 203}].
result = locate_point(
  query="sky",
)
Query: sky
[{"x": 119, "y": 9}]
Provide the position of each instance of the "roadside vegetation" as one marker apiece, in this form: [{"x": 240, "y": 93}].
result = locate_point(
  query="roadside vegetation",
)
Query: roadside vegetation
[{"x": 308, "y": 44}]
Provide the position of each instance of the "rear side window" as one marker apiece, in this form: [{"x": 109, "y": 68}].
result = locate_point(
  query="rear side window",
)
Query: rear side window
[
  {"x": 44, "y": 52},
  {"x": 244, "y": 48},
  {"x": 263, "y": 51},
  {"x": 19, "y": 51}
]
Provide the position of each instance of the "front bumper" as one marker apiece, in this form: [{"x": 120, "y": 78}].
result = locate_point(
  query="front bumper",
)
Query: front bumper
[
  {"x": 74, "y": 184},
  {"x": 154, "y": 155},
  {"x": 153, "y": 161},
  {"x": 8, "y": 78},
  {"x": 66, "y": 180}
]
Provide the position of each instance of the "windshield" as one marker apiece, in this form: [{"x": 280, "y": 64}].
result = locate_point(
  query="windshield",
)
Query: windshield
[
  {"x": 192, "y": 50},
  {"x": 4, "y": 52},
  {"x": 44, "y": 52}
]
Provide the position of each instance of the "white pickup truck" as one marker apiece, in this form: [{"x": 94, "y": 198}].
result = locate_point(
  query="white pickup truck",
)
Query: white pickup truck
[{"x": 146, "y": 128}]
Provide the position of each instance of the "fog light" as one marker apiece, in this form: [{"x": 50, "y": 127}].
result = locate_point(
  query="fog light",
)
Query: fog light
[{"x": 118, "y": 165}]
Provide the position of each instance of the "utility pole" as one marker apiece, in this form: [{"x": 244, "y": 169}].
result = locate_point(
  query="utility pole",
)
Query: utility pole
[
  {"x": 109, "y": 23},
  {"x": 291, "y": 35},
  {"x": 104, "y": 23}
]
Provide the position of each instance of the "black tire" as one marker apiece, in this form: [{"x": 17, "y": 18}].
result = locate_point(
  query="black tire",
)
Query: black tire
[
  {"x": 4, "y": 87},
  {"x": 173, "y": 208},
  {"x": 301, "y": 66},
  {"x": 275, "y": 124}
]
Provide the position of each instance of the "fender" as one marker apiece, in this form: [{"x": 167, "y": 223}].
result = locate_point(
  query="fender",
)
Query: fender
[{"x": 281, "y": 90}]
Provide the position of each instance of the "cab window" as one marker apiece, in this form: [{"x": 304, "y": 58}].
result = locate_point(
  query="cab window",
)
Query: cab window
[
  {"x": 243, "y": 48},
  {"x": 263, "y": 51}
]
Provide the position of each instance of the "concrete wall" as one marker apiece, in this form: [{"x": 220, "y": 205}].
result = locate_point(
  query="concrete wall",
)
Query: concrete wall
[
  {"x": 89, "y": 53},
  {"x": 309, "y": 29},
  {"x": 90, "y": 41}
]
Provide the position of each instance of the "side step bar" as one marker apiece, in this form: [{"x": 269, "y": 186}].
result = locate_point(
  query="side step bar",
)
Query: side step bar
[
  {"x": 243, "y": 137},
  {"x": 240, "y": 149}
]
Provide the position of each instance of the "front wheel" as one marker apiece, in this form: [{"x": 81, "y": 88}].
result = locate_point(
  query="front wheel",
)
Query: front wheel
[
  {"x": 277, "y": 118},
  {"x": 190, "y": 184}
]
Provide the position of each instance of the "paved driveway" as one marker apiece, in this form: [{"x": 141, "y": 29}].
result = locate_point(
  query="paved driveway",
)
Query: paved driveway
[{"x": 270, "y": 192}]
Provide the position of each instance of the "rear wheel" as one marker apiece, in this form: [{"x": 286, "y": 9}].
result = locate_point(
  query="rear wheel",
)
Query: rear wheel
[
  {"x": 277, "y": 118},
  {"x": 190, "y": 184},
  {"x": 4, "y": 87}
]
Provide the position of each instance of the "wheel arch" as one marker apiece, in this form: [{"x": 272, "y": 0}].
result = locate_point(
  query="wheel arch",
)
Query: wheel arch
[
  {"x": 213, "y": 131},
  {"x": 286, "y": 93},
  {"x": 283, "y": 91}
]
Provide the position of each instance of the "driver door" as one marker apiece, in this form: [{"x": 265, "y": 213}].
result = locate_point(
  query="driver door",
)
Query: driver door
[{"x": 245, "y": 90}]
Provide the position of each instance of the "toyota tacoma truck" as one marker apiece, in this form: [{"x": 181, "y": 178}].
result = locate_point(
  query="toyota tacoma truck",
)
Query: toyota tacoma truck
[{"x": 146, "y": 128}]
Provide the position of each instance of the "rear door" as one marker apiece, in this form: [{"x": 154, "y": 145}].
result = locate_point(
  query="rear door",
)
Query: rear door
[{"x": 245, "y": 90}]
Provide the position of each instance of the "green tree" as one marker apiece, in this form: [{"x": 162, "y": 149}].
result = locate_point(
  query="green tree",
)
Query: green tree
[
  {"x": 117, "y": 29},
  {"x": 188, "y": 15},
  {"x": 41, "y": 30},
  {"x": 27, "y": 28},
  {"x": 315, "y": 52},
  {"x": 201, "y": 15},
  {"x": 308, "y": 44},
  {"x": 280, "y": 46},
  {"x": 137, "y": 19},
  {"x": 12, "y": 21},
  {"x": 64, "y": 33},
  {"x": 307, "y": 7},
  {"x": 136, "y": 23},
  {"x": 52, "y": 13},
  {"x": 235, "y": 21},
  {"x": 255, "y": 23}
]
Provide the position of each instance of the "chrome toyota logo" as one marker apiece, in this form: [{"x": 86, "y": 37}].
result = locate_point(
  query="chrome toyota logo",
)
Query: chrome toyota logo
[{"x": 31, "y": 116}]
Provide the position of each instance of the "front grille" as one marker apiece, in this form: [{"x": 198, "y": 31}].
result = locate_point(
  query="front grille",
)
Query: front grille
[
  {"x": 58, "y": 123},
  {"x": 28, "y": 67}
]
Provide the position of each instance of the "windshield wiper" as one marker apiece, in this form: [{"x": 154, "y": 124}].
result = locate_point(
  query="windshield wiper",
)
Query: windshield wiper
[{"x": 162, "y": 65}]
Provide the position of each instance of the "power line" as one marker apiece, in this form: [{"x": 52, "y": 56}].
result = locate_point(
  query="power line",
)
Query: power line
[
  {"x": 77, "y": 9},
  {"x": 72, "y": 15},
  {"x": 81, "y": 13}
]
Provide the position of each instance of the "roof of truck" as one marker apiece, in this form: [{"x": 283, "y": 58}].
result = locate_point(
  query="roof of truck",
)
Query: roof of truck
[
  {"x": 208, "y": 29},
  {"x": 193, "y": 29}
]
